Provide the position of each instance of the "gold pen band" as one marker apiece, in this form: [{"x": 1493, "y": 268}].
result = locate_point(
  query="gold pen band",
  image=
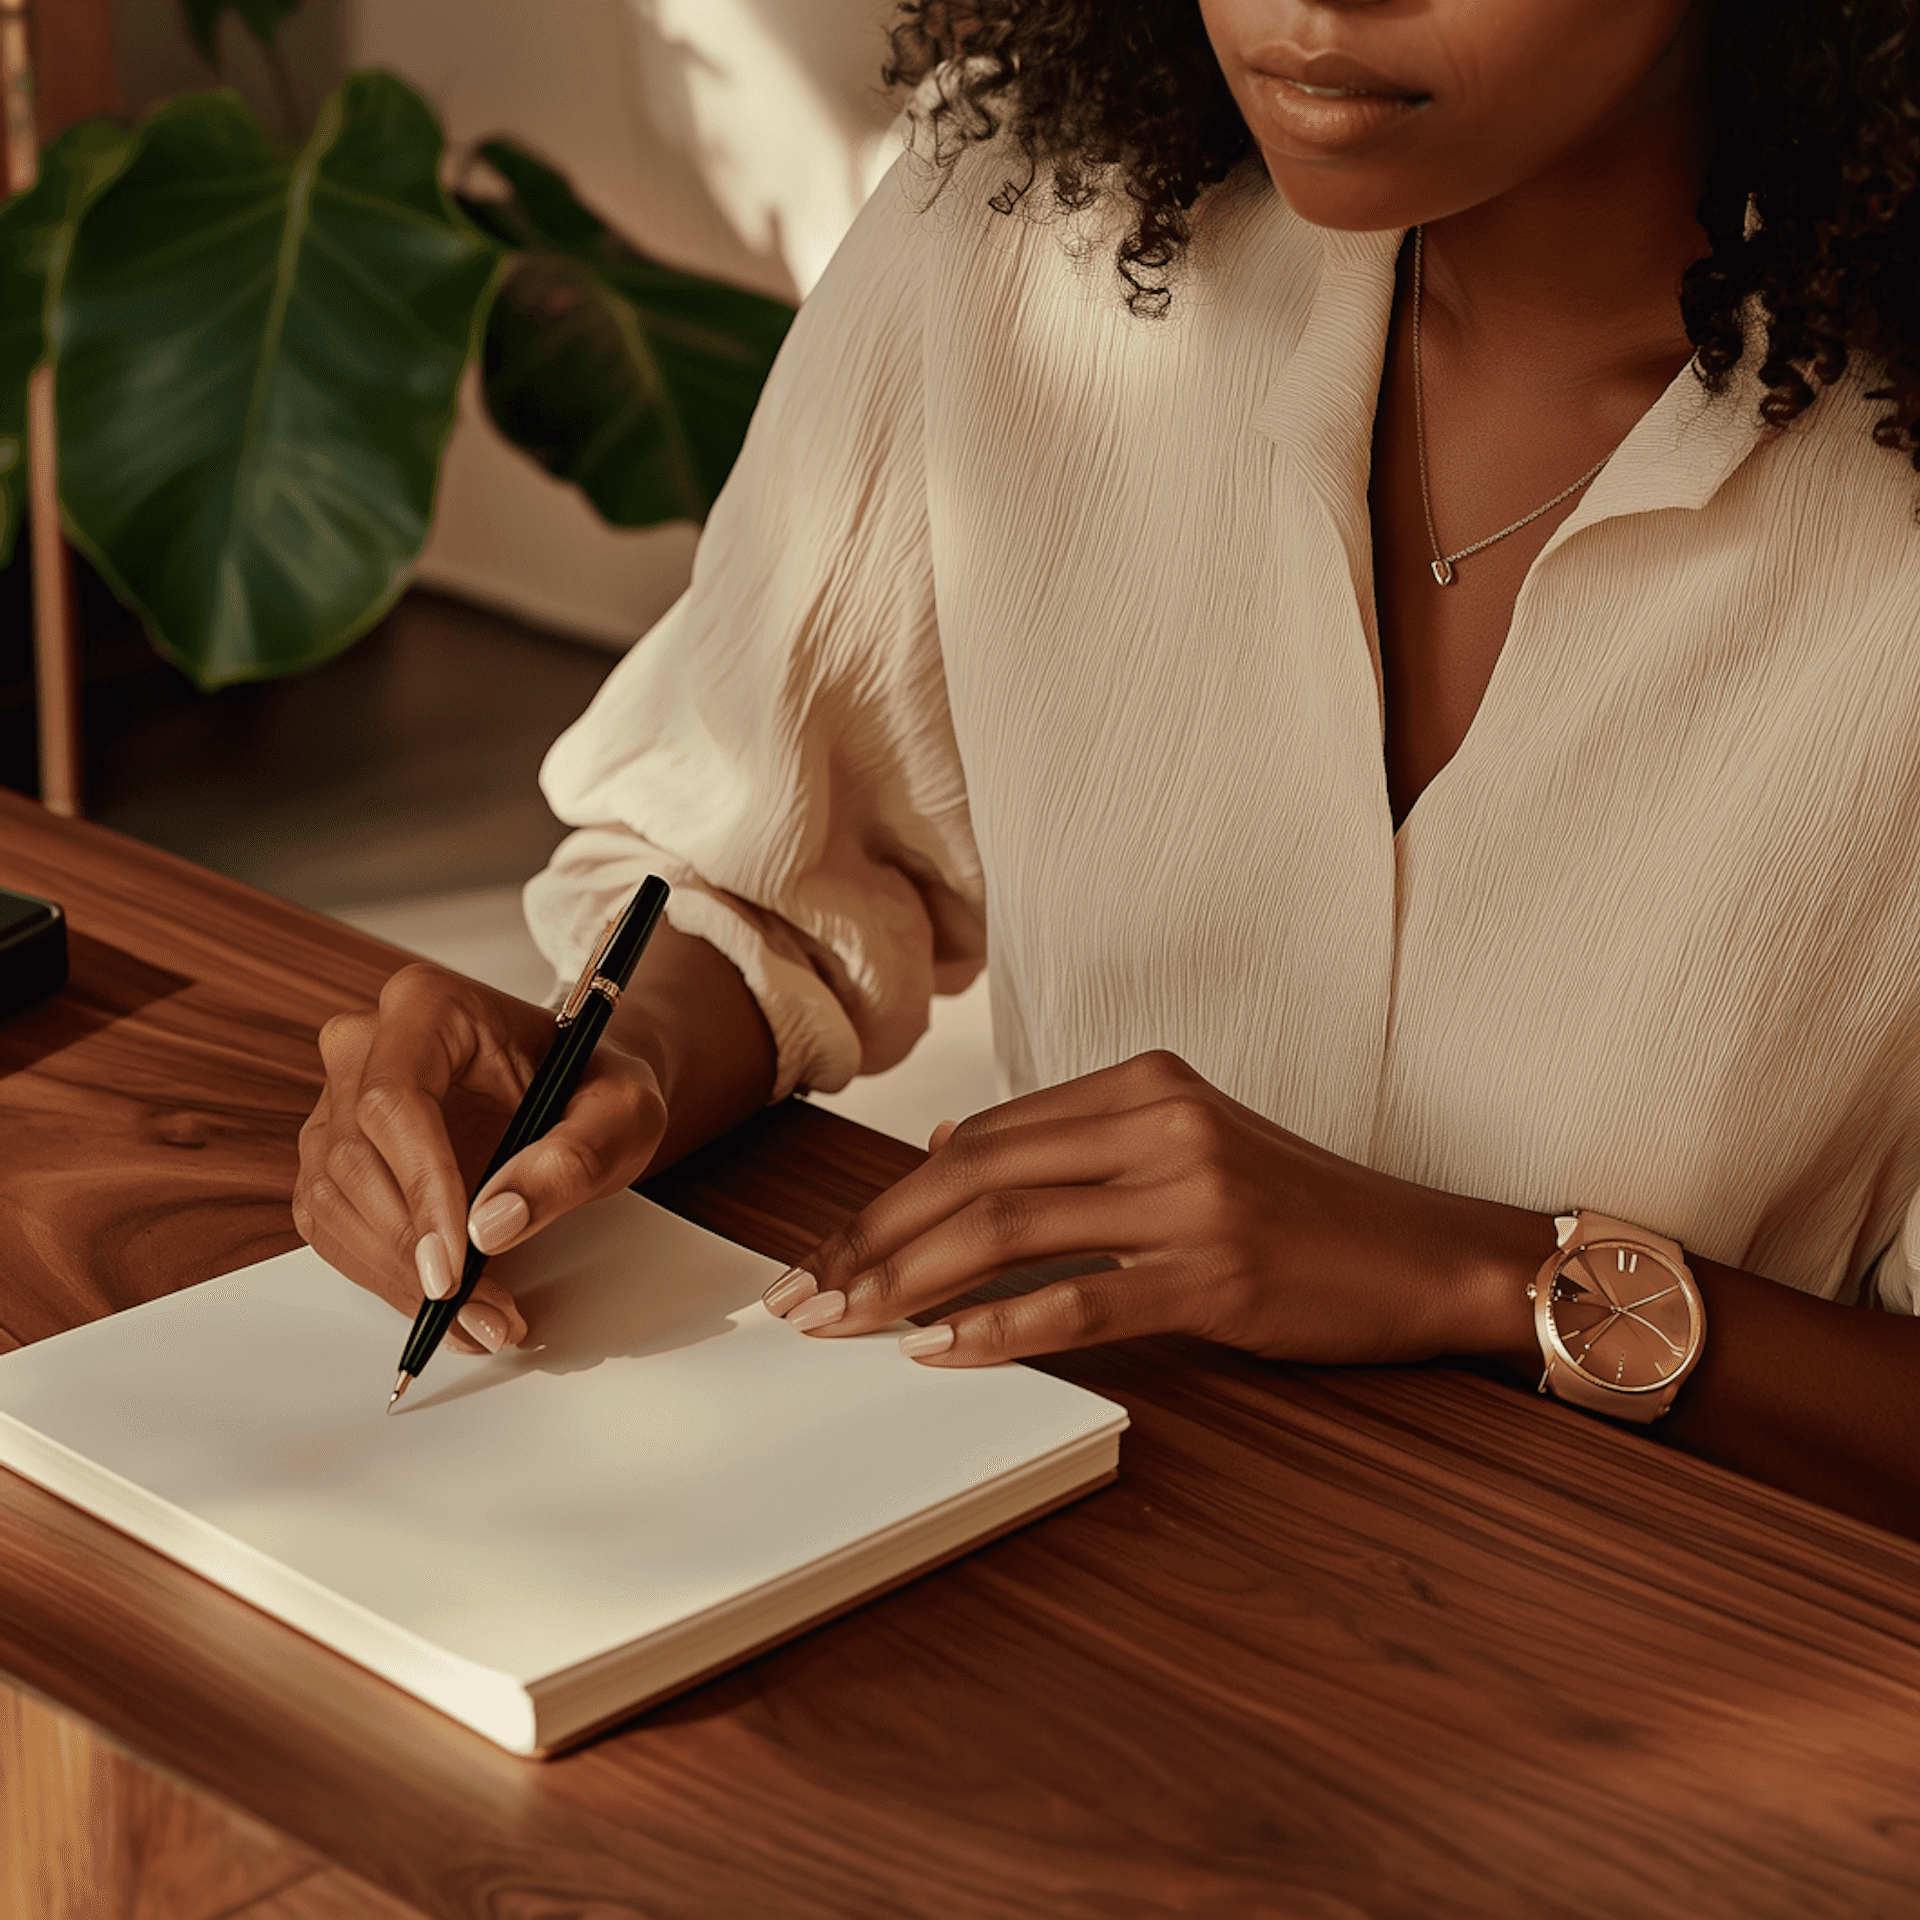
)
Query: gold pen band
[
  {"x": 592, "y": 980},
  {"x": 609, "y": 990}
]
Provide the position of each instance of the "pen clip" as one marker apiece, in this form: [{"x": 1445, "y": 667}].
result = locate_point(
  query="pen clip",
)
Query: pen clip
[{"x": 591, "y": 980}]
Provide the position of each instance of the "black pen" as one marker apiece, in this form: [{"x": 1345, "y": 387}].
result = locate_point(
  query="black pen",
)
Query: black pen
[{"x": 577, "y": 1030}]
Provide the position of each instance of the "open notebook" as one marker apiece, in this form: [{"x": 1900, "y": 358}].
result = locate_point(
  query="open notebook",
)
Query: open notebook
[{"x": 539, "y": 1542}]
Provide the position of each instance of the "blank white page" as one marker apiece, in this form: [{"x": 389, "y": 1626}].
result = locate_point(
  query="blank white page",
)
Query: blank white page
[{"x": 665, "y": 1444}]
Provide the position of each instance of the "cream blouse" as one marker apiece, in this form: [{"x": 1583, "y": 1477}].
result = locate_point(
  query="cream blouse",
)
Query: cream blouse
[{"x": 1026, "y": 627}]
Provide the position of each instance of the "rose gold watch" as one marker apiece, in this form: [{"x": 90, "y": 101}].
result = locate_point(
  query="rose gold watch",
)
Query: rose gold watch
[{"x": 1619, "y": 1316}]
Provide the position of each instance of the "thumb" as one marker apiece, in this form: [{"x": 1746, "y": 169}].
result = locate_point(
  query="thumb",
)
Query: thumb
[{"x": 603, "y": 1142}]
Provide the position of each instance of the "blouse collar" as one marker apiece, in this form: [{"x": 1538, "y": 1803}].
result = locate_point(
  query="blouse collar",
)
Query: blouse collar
[{"x": 1320, "y": 407}]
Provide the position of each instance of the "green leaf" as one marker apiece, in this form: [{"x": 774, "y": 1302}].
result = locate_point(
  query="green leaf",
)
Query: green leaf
[
  {"x": 257, "y": 367},
  {"x": 36, "y": 231},
  {"x": 262, "y": 17},
  {"x": 632, "y": 380}
]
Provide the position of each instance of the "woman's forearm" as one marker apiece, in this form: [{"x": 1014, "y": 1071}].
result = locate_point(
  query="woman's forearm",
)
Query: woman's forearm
[
  {"x": 690, "y": 1016},
  {"x": 1818, "y": 1399}
]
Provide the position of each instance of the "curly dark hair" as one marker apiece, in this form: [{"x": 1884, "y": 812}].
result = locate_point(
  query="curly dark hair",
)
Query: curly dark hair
[{"x": 1815, "y": 106}]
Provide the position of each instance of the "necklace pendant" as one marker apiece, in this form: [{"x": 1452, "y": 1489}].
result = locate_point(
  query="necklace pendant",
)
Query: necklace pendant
[{"x": 1443, "y": 573}]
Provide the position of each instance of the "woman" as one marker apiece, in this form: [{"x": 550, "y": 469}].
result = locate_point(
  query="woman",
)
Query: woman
[{"x": 1422, "y": 756}]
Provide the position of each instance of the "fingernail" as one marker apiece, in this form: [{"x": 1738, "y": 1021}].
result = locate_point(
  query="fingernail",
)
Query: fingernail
[
  {"x": 923, "y": 1341},
  {"x": 485, "y": 1327},
  {"x": 789, "y": 1290},
  {"x": 496, "y": 1221},
  {"x": 431, "y": 1263},
  {"x": 821, "y": 1311},
  {"x": 941, "y": 1134}
]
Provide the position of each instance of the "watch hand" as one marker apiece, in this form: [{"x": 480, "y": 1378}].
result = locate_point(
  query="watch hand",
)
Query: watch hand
[
  {"x": 1634, "y": 1306},
  {"x": 1593, "y": 1333},
  {"x": 1651, "y": 1328},
  {"x": 1598, "y": 1276}
]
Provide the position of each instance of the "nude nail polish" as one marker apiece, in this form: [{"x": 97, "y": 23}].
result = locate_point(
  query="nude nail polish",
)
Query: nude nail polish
[
  {"x": 821, "y": 1311},
  {"x": 431, "y": 1263},
  {"x": 923, "y": 1342},
  {"x": 493, "y": 1223},
  {"x": 484, "y": 1327},
  {"x": 786, "y": 1293}
]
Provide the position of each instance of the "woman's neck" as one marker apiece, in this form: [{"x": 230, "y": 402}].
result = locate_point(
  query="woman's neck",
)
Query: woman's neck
[{"x": 1591, "y": 252}]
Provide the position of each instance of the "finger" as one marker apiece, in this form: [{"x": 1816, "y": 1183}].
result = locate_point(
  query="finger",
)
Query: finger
[
  {"x": 342, "y": 1237},
  {"x": 1087, "y": 1150},
  {"x": 313, "y": 1151},
  {"x": 348, "y": 1241},
  {"x": 330, "y": 1219},
  {"x": 438, "y": 1282},
  {"x": 344, "y": 1040},
  {"x": 1008, "y": 1228},
  {"x": 360, "y": 1180},
  {"x": 333, "y": 1155},
  {"x": 351, "y": 1178},
  {"x": 601, "y": 1143},
  {"x": 1136, "y": 1082},
  {"x": 348, "y": 1203},
  {"x": 941, "y": 1134},
  {"x": 489, "y": 1320},
  {"x": 1124, "y": 1303},
  {"x": 433, "y": 1032}
]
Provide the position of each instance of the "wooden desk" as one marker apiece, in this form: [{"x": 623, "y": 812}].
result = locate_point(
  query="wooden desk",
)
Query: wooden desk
[{"x": 1384, "y": 1643}]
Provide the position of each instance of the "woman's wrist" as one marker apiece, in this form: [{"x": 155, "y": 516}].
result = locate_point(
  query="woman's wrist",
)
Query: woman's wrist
[
  {"x": 691, "y": 1018},
  {"x": 1494, "y": 1253}
]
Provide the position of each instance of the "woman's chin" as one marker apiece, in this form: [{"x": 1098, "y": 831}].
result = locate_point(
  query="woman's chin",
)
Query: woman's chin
[{"x": 1350, "y": 197}]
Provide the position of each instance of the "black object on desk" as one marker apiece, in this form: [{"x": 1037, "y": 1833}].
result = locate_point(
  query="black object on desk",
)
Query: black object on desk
[
  {"x": 578, "y": 1027},
  {"x": 33, "y": 950}
]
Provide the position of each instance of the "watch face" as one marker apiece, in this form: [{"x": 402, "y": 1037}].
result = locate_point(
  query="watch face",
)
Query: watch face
[{"x": 1621, "y": 1316}]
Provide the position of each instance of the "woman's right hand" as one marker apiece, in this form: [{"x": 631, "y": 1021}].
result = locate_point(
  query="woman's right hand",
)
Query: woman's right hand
[{"x": 418, "y": 1094}]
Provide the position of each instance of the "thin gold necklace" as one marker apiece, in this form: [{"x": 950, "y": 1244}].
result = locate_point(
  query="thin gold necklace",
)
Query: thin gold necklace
[{"x": 1443, "y": 562}]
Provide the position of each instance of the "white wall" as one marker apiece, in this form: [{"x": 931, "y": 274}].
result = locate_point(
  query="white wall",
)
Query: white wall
[{"x": 731, "y": 137}]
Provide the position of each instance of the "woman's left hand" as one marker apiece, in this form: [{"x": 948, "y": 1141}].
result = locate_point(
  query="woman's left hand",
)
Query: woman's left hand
[{"x": 1221, "y": 1223}]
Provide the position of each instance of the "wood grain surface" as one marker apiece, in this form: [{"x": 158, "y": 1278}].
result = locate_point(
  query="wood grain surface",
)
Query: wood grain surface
[
  {"x": 1384, "y": 1643},
  {"x": 88, "y": 1833}
]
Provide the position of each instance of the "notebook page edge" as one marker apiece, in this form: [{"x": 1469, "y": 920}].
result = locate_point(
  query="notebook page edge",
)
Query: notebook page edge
[
  {"x": 1095, "y": 1430},
  {"x": 490, "y": 1702},
  {"x": 707, "y": 1644}
]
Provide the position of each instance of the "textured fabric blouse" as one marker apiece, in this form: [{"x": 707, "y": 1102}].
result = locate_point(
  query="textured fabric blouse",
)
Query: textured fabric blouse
[{"x": 1030, "y": 629}]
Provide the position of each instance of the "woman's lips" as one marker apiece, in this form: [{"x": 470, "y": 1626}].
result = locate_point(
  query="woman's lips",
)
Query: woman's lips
[{"x": 1326, "y": 103}]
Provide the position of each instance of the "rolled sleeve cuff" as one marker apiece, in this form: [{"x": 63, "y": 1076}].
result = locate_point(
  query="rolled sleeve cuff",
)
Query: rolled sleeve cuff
[
  {"x": 1897, "y": 1277},
  {"x": 594, "y": 873}
]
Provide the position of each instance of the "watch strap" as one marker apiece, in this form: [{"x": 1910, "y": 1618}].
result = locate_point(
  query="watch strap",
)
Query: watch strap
[{"x": 1589, "y": 1226}]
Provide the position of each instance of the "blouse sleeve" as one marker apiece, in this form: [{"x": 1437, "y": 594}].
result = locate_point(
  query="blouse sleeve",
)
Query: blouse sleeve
[
  {"x": 1896, "y": 1277},
  {"x": 779, "y": 747}
]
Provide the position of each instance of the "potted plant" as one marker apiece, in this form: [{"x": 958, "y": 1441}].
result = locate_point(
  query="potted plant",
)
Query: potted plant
[{"x": 257, "y": 351}]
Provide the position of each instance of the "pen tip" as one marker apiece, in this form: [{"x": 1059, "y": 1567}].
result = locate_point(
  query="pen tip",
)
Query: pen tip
[{"x": 399, "y": 1387}]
